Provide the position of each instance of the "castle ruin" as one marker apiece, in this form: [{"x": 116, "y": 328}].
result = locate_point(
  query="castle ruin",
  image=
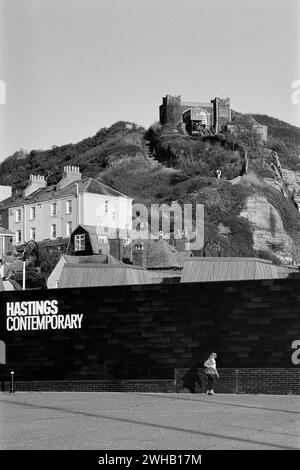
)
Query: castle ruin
[
  {"x": 195, "y": 117},
  {"x": 204, "y": 119}
]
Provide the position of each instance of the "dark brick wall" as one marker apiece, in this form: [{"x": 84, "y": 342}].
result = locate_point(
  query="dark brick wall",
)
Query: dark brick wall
[
  {"x": 248, "y": 380},
  {"x": 141, "y": 386},
  {"x": 251, "y": 381},
  {"x": 145, "y": 332}
]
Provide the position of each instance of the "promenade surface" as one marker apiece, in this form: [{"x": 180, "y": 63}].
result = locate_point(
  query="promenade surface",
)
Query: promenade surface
[{"x": 42, "y": 420}]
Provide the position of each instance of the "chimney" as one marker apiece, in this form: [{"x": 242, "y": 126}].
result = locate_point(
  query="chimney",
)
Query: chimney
[
  {"x": 35, "y": 182},
  {"x": 139, "y": 254},
  {"x": 116, "y": 248},
  {"x": 70, "y": 175},
  {"x": 181, "y": 241},
  {"x": 182, "y": 244}
]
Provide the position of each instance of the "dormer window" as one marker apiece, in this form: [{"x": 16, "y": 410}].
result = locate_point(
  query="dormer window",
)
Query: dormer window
[{"x": 79, "y": 242}]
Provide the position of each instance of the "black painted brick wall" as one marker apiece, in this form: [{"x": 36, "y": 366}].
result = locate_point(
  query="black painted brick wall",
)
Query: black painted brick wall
[
  {"x": 145, "y": 332},
  {"x": 248, "y": 380},
  {"x": 142, "y": 386}
]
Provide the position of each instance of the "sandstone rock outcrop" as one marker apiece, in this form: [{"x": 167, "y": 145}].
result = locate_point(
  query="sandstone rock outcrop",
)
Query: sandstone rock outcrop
[
  {"x": 292, "y": 181},
  {"x": 268, "y": 231}
]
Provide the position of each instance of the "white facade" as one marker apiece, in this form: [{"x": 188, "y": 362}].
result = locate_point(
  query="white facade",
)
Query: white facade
[
  {"x": 106, "y": 211},
  {"x": 57, "y": 218}
]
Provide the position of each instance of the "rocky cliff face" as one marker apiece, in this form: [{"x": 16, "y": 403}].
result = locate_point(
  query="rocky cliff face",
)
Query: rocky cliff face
[
  {"x": 292, "y": 183},
  {"x": 268, "y": 231}
]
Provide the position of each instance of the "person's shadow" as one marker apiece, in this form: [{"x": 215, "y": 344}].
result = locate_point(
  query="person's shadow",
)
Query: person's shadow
[{"x": 191, "y": 379}]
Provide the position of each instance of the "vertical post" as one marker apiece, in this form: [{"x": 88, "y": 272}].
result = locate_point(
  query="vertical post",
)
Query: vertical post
[
  {"x": 12, "y": 382},
  {"x": 236, "y": 381},
  {"x": 24, "y": 274}
]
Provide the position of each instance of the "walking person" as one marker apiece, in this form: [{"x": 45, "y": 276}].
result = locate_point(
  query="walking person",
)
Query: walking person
[{"x": 211, "y": 372}]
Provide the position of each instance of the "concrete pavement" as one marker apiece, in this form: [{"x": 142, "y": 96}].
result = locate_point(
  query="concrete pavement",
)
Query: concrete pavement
[{"x": 103, "y": 421}]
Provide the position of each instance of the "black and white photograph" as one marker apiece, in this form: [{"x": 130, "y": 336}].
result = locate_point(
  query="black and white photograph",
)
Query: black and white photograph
[{"x": 149, "y": 231}]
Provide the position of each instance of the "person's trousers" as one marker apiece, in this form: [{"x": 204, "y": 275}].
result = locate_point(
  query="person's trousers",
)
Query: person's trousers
[{"x": 211, "y": 381}]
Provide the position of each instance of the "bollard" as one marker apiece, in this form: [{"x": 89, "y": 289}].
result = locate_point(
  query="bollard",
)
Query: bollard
[{"x": 12, "y": 382}]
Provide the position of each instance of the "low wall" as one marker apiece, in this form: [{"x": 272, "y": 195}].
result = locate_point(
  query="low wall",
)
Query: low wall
[
  {"x": 138, "y": 386},
  {"x": 247, "y": 380}
]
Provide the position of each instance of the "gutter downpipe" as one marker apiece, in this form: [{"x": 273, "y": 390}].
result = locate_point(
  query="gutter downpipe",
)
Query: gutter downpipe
[{"x": 78, "y": 204}]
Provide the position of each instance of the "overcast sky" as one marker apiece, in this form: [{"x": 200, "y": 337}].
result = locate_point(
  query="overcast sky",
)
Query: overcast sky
[{"x": 74, "y": 66}]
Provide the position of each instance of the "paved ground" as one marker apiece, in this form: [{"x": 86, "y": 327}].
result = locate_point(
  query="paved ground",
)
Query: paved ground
[{"x": 104, "y": 421}]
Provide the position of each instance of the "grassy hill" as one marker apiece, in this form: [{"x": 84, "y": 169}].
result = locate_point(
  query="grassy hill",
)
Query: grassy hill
[
  {"x": 280, "y": 129},
  {"x": 183, "y": 170}
]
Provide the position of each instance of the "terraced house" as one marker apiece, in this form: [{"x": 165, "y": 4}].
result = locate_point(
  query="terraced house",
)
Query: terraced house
[{"x": 44, "y": 212}]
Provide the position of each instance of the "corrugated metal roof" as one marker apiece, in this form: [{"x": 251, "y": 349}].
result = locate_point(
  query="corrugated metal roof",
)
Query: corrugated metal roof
[
  {"x": 54, "y": 277},
  {"x": 91, "y": 275},
  {"x": 94, "y": 259},
  {"x": 198, "y": 269}
]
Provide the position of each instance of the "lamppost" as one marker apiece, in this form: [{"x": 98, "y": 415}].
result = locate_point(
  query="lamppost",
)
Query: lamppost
[
  {"x": 29, "y": 248},
  {"x": 12, "y": 382}
]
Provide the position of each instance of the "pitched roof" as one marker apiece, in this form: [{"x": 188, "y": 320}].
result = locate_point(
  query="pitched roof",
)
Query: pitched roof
[
  {"x": 54, "y": 277},
  {"x": 5, "y": 232},
  {"x": 86, "y": 185},
  {"x": 198, "y": 269},
  {"x": 92, "y": 259},
  {"x": 97, "y": 187},
  {"x": 93, "y": 275},
  {"x": 8, "y": 285}
]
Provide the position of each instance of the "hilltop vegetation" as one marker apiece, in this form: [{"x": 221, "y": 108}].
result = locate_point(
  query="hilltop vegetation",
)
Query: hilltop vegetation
[
  {"x": 92, "y": 155},
  {"x": 179, "y": 168}
]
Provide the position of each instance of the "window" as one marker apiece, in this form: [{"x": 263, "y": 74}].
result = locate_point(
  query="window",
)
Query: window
[
  {"x": 32, "y": 213},
  {"x": 79, "y": 242},
  {"x": 68, "y": 228},
  {"x": 18, "y": 236},
  {"x": 32, "y": 233},
  {"x": 18, "y": 215},
  {"x": 53, "y": 208},
  {"x": 103, "y": 240},
  {"x": 68, "y": 207},
  {"x": 53, "y": 231},
  {"x": 126, "y": 241},
  {"x": 106, "y": 206},
  {"x": 203, "y": 117}
]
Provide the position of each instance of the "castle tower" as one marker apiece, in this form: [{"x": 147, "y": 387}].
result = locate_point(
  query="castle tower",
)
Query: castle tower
[
  {"x": 170, "y": 111},
  {"x": 221, "y": 112}
]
